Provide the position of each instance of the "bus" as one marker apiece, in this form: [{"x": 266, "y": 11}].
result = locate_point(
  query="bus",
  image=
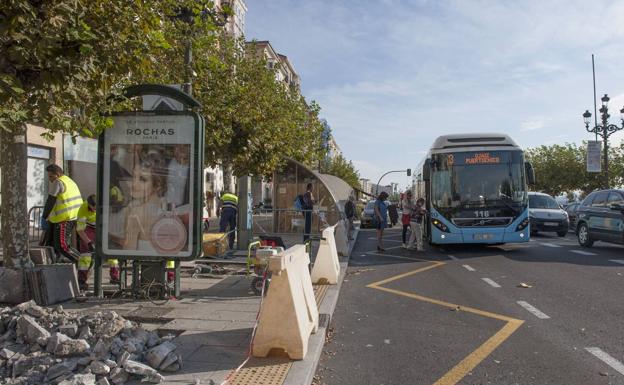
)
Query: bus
[{"x": 475, "y": 189}]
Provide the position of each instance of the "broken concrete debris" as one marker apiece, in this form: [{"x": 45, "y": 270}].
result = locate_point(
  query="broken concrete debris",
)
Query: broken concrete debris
[{"x": 52, "y": 346}]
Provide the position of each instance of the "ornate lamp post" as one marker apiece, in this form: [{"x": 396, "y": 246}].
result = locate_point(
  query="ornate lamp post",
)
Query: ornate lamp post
[{"x": 604, "y": 131}]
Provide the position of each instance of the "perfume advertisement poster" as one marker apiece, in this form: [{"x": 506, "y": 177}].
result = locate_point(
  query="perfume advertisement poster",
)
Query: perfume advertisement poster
[{"x": 148, "y": 186}]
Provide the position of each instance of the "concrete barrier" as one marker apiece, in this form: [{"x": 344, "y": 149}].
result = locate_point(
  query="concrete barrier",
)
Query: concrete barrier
[
  {"x": 326, "y": 264},
  {"x": 342, "y": 240},
  {"x": 289, "y": 313}
]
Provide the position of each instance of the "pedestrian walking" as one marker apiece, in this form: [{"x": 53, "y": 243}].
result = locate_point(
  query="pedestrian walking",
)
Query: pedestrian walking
[
  {"x": 60, "y": 211},
  {"x": 416, "y": 223},
  {"x": 307, "y": 207},
  {"x": 350, "y": 214},
  {"x": 381, "y": 218},
  {"x": 407, "y": 203},
  {"x": 229, "y": 212},
  {"x": 393, "y": 214}
]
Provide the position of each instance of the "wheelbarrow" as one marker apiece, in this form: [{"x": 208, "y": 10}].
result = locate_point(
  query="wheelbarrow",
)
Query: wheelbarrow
[{"x": 257, "y": 260}]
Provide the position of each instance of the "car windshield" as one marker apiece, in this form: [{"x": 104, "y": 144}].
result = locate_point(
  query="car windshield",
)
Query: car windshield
[
  {"x": 370, "y": 205},
  {"x": 542, "y": 202}
]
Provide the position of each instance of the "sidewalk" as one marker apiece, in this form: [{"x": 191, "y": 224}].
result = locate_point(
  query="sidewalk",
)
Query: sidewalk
[{"x": 213, "y": 321}]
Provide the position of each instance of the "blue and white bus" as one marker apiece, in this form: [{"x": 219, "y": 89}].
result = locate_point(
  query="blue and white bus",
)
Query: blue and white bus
[{"x": 475, "y": 188}]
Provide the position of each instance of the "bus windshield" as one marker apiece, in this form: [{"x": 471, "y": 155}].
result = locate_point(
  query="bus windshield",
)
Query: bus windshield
[{"x": 467, "y": 180}]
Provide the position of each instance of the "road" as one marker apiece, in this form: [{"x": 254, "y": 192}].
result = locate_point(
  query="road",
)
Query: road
[{"x": 545, "y": 312}]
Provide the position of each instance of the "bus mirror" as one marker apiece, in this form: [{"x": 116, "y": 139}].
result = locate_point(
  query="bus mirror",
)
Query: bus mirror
[
  {"x": 426, "y": 174},
  {"x": 530, "y": 173},
  {"x": 409, "y": 172}
]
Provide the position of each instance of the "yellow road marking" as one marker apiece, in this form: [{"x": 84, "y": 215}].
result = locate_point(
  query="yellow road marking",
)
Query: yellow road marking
[{"x": 466, "y": 365}]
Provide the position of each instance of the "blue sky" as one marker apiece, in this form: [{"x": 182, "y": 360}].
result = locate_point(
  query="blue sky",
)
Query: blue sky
[{"x": 391, "y": 75}]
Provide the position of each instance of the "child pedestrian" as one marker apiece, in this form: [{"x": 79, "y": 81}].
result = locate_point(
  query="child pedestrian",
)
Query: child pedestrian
[{"x": 416, "y": 222}]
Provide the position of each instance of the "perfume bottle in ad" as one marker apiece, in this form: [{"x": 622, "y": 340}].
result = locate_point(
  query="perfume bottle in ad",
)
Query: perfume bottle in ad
[{"x": 168, "y": 234}]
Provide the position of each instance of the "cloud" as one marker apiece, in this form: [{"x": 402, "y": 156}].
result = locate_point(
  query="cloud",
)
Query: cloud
[{"x": 531, "y": 125}]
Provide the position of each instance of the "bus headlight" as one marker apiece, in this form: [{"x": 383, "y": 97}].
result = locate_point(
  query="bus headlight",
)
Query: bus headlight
[
  {"x": 523, "y": 224},
  {"x": 440, "y": 225}
]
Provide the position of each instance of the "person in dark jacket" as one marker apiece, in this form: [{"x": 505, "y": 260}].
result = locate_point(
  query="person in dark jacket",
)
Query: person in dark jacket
[
  {"x": 393, "y": 213},
  {"x": 350, "y": 214},
  {"x": 308, "y": 206}
]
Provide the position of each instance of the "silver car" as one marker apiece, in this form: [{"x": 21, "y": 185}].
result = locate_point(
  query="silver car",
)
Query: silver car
[{"x": 547, "y": 215}]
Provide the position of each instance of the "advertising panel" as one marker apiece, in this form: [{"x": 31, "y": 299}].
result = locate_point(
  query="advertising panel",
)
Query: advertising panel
[
  {"x": 150, "y": 186},
  {"x": 593, "y": 156}
]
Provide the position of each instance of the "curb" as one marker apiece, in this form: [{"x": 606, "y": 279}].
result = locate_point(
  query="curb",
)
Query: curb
[{"x": 302, "y": 372}]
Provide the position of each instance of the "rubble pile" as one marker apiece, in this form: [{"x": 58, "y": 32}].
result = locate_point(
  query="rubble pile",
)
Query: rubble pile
[{"x": 50, "y": 346}]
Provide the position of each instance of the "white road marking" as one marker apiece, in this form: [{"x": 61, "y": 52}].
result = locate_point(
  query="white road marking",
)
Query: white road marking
[
  {"x": 468, "y": 267},
  {"x": 490, "y": 282},
  {"x": 454, "y": 258},
  {"x": 532, "y": 309},
  {"x": 607, "y": 359},
  {"x": 583, "y": 252},
  {"x": 549, "y": 244},
  {"x": 620, "y": 261}
]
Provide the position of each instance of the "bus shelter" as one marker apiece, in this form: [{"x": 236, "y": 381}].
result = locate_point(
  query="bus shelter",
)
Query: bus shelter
[{"x": 330, "y": 193}]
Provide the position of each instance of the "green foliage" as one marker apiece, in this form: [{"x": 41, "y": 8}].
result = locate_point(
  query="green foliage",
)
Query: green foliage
[
  {"x": 562, "y": 168},
  {"x": 341, "y": 168},
  {"x": 60, "y": 59}
]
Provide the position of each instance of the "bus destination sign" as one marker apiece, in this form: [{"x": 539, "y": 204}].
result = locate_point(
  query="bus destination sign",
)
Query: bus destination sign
[{"x": 482, "y": 158}]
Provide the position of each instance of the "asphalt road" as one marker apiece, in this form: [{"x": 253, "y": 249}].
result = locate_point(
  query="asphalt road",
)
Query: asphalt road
[{"x": 546, "y": 312}]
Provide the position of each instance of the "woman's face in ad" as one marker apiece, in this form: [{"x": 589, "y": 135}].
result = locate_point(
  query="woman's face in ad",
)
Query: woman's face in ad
[{"x": 142, "y": 183}]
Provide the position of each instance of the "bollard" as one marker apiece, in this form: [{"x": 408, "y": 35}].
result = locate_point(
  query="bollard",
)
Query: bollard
[
  {"x": 326, "y": 265},
  {"x": 289, "y": 313},
  {"x": 342, "y": 240}
]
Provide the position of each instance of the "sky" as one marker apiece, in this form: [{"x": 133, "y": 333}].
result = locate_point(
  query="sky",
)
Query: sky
[{"x": 391, "y": 75}]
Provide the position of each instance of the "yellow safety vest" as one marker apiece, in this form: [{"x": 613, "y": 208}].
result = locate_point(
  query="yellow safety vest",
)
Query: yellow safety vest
[
  {"x": 229, "y": 200},
  {"x": 67, "y": 203},
  {"x": 86, "y": 217}
]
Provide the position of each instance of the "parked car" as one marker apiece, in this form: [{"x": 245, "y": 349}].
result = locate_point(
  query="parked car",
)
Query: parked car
[
  {"x": 547, "y": 215},
  {"x": 571, "y": 209},
  {"x": 601, "y": 218},
  {"x": 366, "y": 219}
]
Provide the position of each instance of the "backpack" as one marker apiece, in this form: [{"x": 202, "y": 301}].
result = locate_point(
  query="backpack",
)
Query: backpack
[{"x": 298, "y": 203}]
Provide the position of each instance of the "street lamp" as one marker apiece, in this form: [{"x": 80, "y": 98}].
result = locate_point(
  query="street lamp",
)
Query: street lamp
[
  {"x": 604, "y": 131},
  {"x": 187, "y": 15}
]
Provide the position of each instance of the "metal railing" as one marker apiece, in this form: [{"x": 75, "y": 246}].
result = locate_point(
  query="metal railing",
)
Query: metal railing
[
  {"x": 289, "y": 221},
  {"x": 35, "y": 231}
]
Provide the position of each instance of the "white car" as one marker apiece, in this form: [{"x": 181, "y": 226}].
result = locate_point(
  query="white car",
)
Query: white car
[{"x": 547, "y": 215}]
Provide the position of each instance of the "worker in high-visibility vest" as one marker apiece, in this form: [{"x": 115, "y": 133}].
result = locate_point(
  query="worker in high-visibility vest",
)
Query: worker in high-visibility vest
[
  {"x": 229, "y": 210},
  {"x": 85, "y": 228},
  {"x": 60, "y": 211}
]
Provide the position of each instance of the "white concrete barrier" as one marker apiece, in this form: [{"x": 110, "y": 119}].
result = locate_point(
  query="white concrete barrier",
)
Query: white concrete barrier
[
  {"x": 289, "y": 313},
  {"x": 342, "y": 240},
  {"x": 326, "y": 264}
]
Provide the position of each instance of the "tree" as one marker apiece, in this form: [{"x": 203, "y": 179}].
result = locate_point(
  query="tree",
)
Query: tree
[
  {"x": 59, "y": 60},
  {"x": 254, "y": 122},
  {"x": 562, "y": 168},
  {"x": 341, "y": 168}
]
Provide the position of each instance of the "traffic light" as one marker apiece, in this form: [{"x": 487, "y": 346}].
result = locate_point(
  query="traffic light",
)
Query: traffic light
[{"x": 409, "y": 172}]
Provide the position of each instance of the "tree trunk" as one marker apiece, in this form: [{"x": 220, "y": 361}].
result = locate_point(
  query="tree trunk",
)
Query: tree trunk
[
  {"x": 13, "y": 217},
  {"x": 228, "y": 179}
]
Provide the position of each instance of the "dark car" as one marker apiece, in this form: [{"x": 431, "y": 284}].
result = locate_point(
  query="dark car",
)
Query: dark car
[
  {"x": 600, "y": 217},
  {"x": 572, "y": 209},
  {"x": 546, "y": 215}
]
